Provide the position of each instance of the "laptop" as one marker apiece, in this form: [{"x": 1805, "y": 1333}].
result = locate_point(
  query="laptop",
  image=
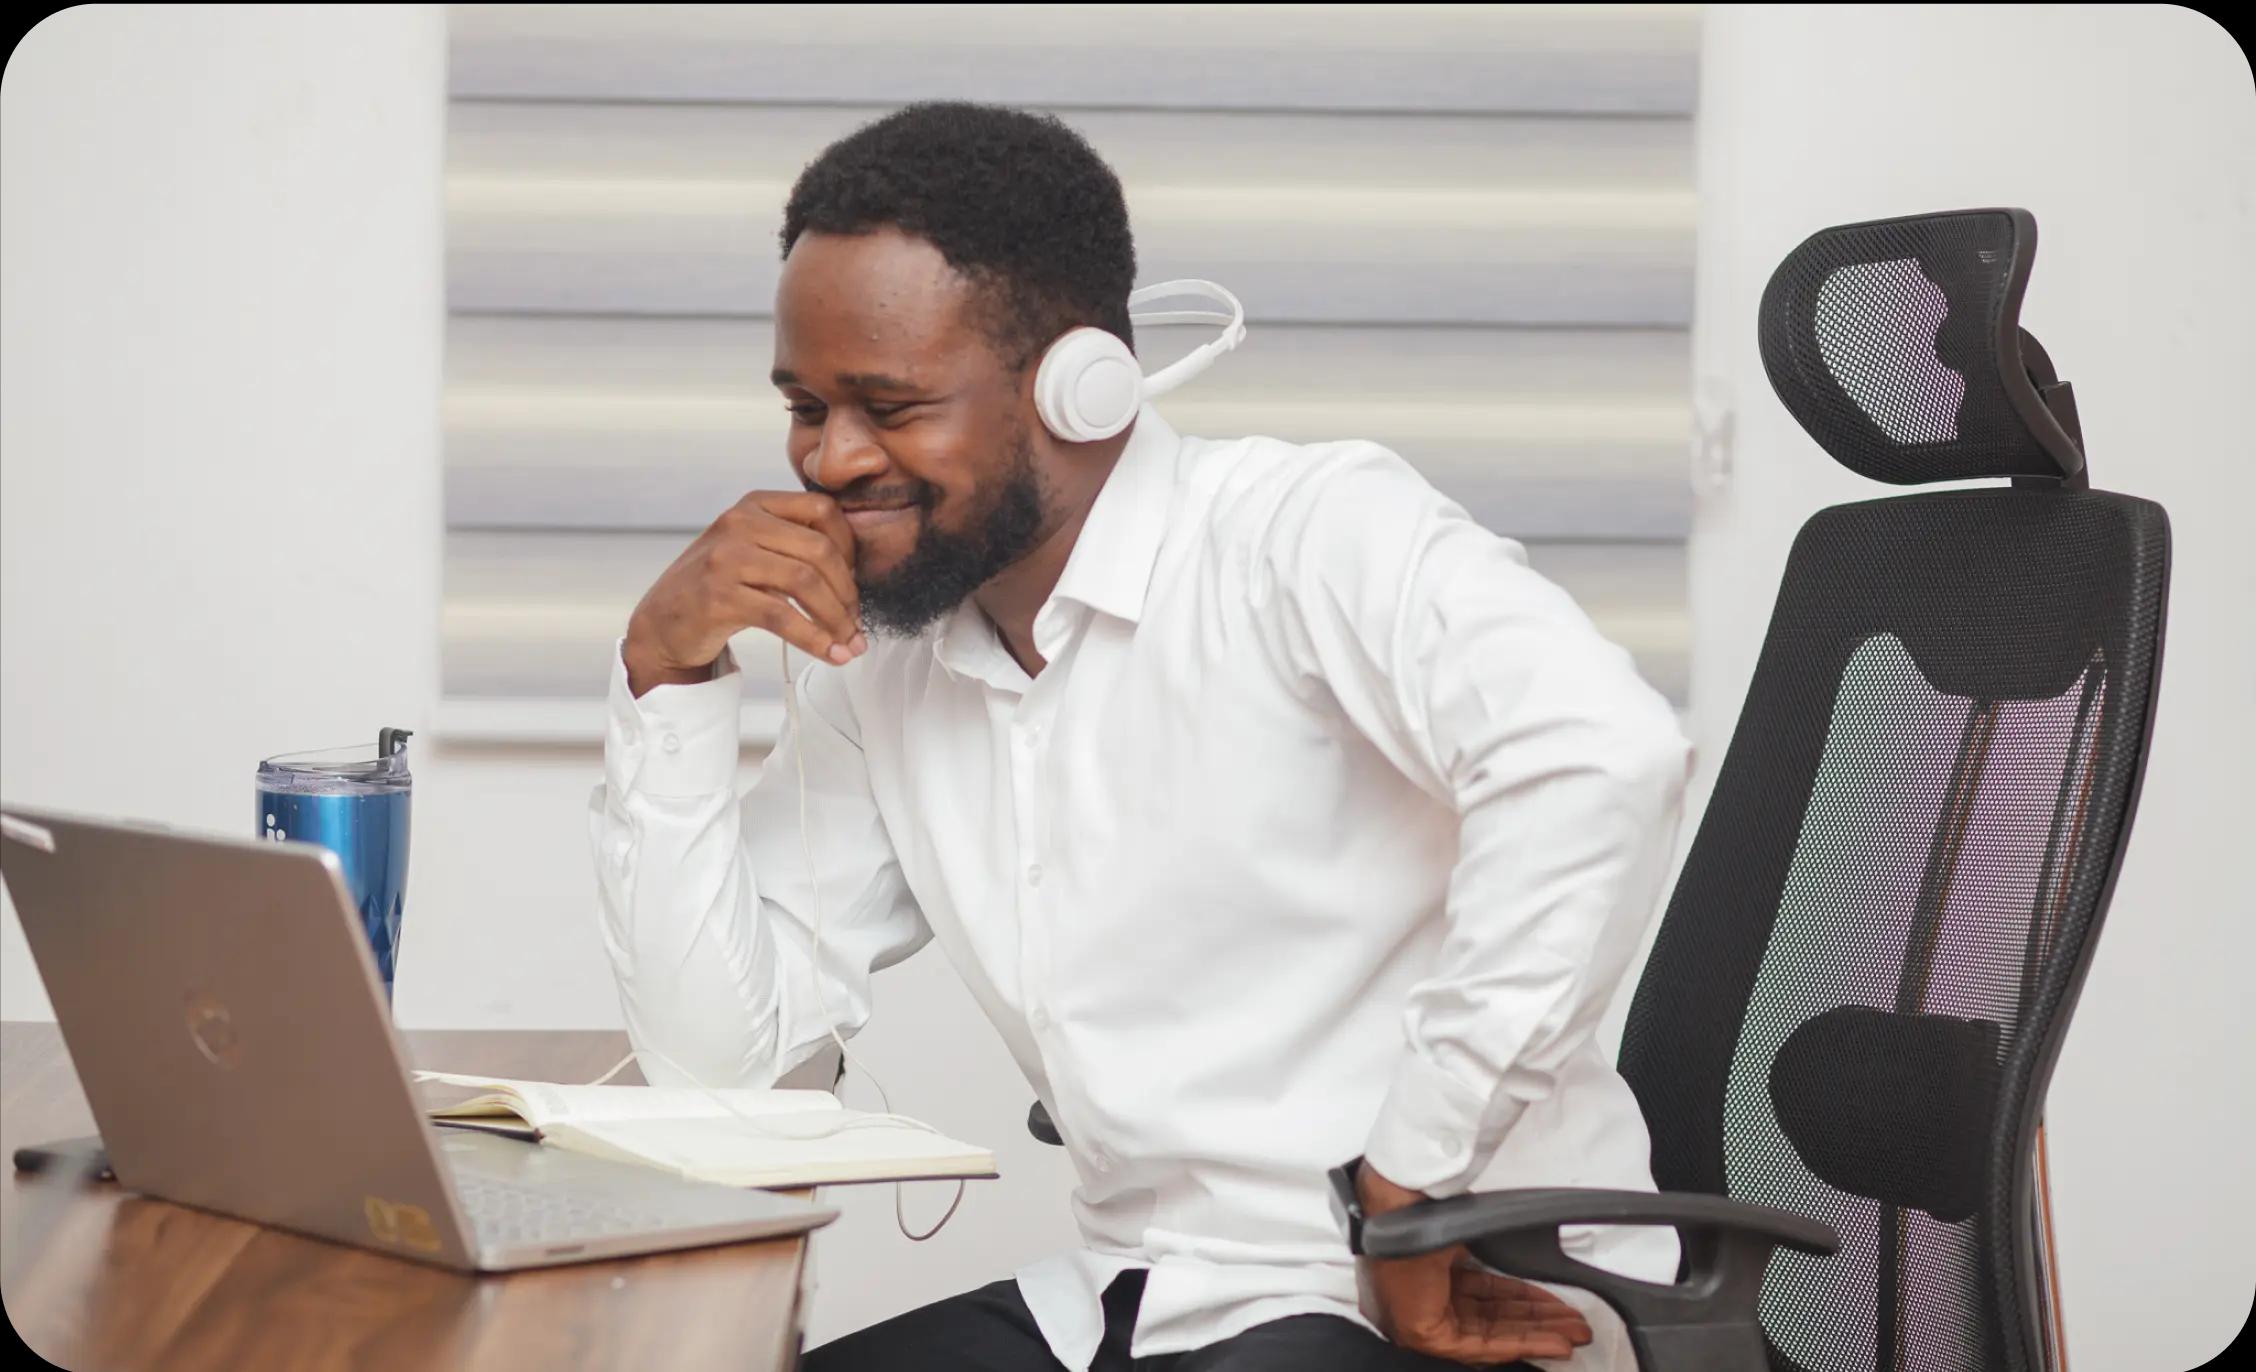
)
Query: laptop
[{"x": 223, "y": 1010}]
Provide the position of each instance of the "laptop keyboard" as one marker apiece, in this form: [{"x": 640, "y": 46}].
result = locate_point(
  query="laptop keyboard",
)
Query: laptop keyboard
[{"x": 503, "y": 1212}]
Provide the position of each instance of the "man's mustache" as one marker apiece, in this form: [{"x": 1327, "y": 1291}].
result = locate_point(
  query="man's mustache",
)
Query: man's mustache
[{"x": 867, "y": 495}]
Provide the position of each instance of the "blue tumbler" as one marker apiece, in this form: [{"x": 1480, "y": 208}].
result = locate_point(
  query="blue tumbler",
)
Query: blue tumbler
[{"x": 355, "y": 805}]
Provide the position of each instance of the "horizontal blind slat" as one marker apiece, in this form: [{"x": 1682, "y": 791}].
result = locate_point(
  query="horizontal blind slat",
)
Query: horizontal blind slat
[{"x": 1590, "y": 59}]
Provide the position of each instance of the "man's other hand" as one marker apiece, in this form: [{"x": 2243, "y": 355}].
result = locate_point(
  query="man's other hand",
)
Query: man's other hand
[
  {"x": 776, "y": 560},
  {"x": 1445, "y": 1305}
]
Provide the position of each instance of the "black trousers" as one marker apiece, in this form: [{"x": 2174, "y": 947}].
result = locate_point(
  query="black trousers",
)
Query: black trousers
[{"x": 991, "y": 1330}]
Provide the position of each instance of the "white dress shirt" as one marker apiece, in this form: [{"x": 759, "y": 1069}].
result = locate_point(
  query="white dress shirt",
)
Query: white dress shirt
[{"x": 1330, "y": 827}]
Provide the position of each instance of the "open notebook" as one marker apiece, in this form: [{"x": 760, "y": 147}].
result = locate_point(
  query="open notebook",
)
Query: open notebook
[{"x": 791, "y": 1138}]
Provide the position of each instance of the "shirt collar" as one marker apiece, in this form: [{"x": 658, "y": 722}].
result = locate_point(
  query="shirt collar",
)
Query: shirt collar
[{"x": 1110, "y": 567}]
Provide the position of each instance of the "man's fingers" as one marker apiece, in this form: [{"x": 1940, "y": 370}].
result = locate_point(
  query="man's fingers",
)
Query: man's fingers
[
  {"x": 803, "y": 582},
  {"x": 1512, "y": 1348},
  {"x": 1500, "y": 1310},
  {"x": 802, "y": 544},
  {"x": 1474, "y": 1283},
  {"x": 1485, "y": 1347},
  {"x": 1495, "y": 1319},
  {"x": 767, "y": 610},
  {"x": 1497, "y": 1310},
  {"x": 1470, "y": 1315},
  {"x": 813, "y": 510},
  {"x": 1483, "y": 1337},
  {"x": 1496, "y": 1323}
]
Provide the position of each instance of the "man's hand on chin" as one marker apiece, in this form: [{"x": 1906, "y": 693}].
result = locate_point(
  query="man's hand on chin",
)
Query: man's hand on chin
[{"x": 1443, "y": 1304}]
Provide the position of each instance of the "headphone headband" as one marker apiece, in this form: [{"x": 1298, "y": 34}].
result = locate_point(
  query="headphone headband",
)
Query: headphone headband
[{"x": 1200, "y": 358}]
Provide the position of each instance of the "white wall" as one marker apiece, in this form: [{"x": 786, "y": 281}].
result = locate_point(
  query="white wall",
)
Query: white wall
[
  {"x": 2131, "y": 134},
  {"x": 219, "y": 534},
  {"x": 219, "y": 256}
]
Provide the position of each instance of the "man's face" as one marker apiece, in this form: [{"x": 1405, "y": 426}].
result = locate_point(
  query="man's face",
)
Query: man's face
[{"x": 902, "y": 409}]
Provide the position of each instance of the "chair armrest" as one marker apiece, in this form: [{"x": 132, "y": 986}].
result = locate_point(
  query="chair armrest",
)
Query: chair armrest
[
  {"x": 1709, "y": 1321},
  {"x": 1038, "y": 1124},
  {"x": 1435, "y": 1224}
]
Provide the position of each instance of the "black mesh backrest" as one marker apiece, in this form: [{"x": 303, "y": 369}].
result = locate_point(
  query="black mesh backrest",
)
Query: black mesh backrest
[{"x": 1868, "y": 964}]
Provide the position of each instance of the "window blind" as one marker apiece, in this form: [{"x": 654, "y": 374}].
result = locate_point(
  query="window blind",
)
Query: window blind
[{"x": 1464, "y": 232}]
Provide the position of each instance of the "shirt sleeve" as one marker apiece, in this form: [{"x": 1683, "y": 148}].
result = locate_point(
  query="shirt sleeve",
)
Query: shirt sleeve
[
  {"x": 705, "y": 900},
  {"x": 1491, "y": 689}
]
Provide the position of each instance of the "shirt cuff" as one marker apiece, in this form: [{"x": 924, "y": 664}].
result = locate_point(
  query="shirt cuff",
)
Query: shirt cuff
[
  {"x": 1428, "y": 1133},
  {"x": 676, "y": 740}
]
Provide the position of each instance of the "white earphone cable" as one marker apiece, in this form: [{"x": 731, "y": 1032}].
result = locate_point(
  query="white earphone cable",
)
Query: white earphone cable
[
  {"x": 814, "y": 880},
  {"x": 768, "y": 1125}
]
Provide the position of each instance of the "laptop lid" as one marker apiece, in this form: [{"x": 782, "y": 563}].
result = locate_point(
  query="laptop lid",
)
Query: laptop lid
[{"x": 226, "y": 1019}]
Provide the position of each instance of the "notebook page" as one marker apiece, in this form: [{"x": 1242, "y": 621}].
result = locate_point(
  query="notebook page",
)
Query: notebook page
[
  {"x": 546, "y": 1103},
  {"x": 734, "y": 1153}
]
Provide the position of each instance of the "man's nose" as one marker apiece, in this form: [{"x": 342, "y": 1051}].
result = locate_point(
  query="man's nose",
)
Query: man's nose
[{"x": 844, "y": 454}]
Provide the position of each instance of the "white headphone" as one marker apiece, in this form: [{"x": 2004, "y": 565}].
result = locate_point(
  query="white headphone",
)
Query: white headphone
[{"x": 1089, "y": 385}]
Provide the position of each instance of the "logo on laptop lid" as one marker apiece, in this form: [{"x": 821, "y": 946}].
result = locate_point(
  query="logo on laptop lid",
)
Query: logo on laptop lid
[{"x": 213, "y": 1029}]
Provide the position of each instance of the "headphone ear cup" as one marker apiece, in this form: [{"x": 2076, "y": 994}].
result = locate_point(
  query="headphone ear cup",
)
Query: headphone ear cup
[{"x": 1088, "y": 386}]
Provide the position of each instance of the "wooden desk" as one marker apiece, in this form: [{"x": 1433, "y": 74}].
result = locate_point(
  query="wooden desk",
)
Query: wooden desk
[{"x": 127, "y": 1284}]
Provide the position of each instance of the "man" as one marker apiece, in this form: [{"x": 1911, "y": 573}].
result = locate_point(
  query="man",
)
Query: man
[{"x": 1275, "y": 812}]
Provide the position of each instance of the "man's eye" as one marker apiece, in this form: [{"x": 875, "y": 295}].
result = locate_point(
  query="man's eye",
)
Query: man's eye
[{"x": 809, "y": 411}]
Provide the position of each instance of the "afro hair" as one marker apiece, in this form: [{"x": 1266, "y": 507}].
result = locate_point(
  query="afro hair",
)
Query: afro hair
[{"x": 1017, "y": 202}]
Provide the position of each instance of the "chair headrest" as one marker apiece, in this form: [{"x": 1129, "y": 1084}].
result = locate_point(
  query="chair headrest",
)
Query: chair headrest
[{"x": 1897, "y": 344}]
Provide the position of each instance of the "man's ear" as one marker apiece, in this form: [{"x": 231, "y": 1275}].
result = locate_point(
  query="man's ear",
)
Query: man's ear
[{"x": 1046, "y": 445}]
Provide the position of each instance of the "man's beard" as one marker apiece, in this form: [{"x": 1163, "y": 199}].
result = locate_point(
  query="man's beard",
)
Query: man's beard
[{"x": 945, "y": 565}]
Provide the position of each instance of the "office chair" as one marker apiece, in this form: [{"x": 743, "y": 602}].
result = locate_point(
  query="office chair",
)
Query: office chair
[{"x": 1842, "y": 1039}]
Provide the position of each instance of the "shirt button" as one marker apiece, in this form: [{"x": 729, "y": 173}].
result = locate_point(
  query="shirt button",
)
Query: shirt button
[
  {"x": 1034, "y": 875},
  {"x": 1100, "y": 1159},
  {"x": 673, "y": 743},
  {"x": 1040, "y": 1019}
]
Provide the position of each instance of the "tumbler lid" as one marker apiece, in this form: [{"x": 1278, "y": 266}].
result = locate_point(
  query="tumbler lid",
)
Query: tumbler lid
[{"x": 353, "y": 768}]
